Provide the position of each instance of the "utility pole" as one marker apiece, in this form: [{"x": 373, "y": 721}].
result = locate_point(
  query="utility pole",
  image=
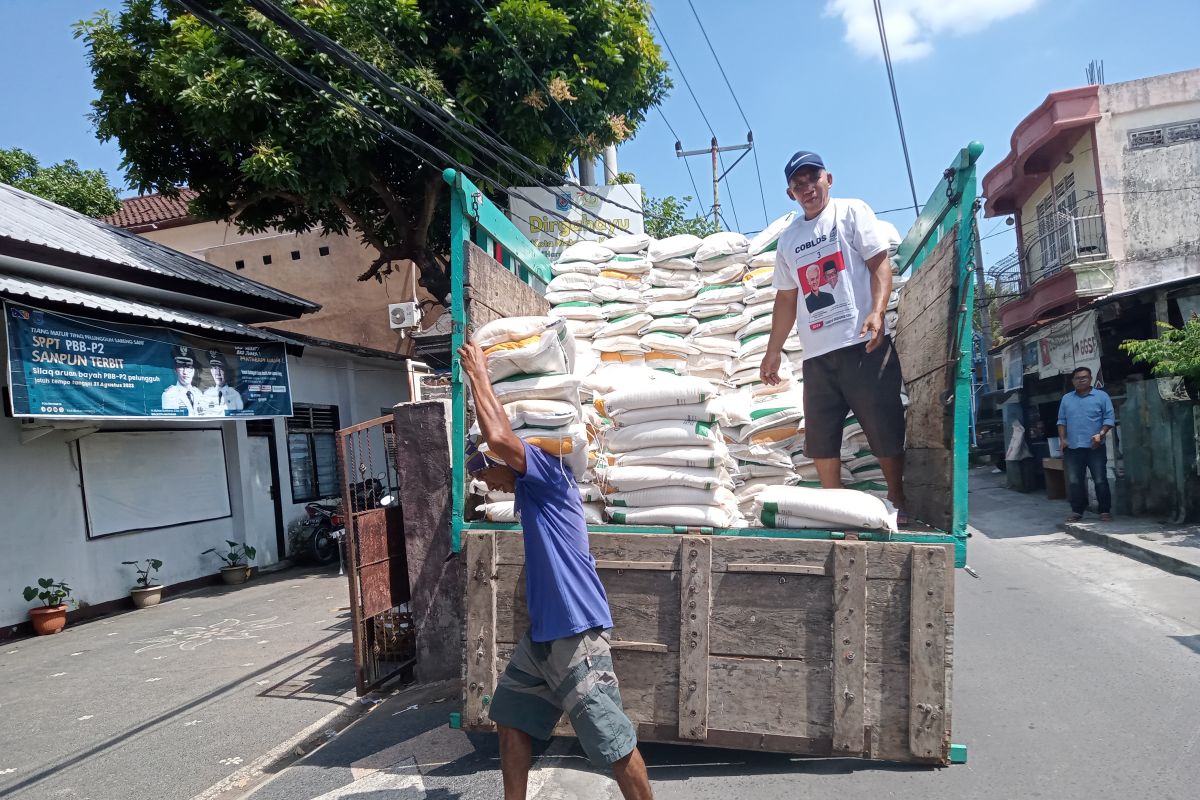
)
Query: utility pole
[
  {"x": 718, "y": 176},
  {"x": 587, "y": 170},
  {"x": 610, "y": 164}
]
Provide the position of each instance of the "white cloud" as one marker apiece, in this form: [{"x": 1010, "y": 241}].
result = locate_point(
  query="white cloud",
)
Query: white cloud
[{"x": 913, "y": 26}]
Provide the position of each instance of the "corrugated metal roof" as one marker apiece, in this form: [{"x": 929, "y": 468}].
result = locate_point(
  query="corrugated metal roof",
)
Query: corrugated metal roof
[
  {"x": 30, "y": 219},
  {"x": 16, "y": 288}
]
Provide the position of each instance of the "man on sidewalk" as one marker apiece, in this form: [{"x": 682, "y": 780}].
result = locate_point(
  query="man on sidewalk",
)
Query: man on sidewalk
[
  {"x": 563, "y": 663},
  {"x": 1085, "y": 416},
  {"x": 849, "y": 361}
]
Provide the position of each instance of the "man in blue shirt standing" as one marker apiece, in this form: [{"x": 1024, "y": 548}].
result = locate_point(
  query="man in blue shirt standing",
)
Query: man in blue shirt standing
[
  {"x": 564, "y": 662},
  {"x": 1085, "y": 416}
]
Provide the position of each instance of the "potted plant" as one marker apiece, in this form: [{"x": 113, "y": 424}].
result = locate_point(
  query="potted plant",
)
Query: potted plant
[
  {"x": 52, "y": 616},
  {"x": 236, "y": 569},
  {"x": 143, "y": 592}
]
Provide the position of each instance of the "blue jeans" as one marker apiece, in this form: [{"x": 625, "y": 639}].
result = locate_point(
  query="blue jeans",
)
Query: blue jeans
[{"x": 1078, "y": 461}]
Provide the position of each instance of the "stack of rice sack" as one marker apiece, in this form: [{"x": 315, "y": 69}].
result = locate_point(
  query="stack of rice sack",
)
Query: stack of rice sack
[
  {"x": 531, "y": 365},
  {"x": 822, "y": 509},
  {"x": 664, "y": 460}
]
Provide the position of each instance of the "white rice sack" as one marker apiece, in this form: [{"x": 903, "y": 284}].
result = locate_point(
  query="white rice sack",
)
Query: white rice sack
[
  {"x": 584, "y": 329},
  {"x": 720, "y": 293},
  {"x": 676, "y": 265},
  {"x": 772, "y": 519},
  {"x": 691, "y": 516},
  {"x": 593, "y": 513},
  {"x": 732, "y": 408},
  {"x": 666, "y": 279},
  {"x": 633, "y": 265},
  {"x": 865, "y": 467},
  {"x": 833, "y": 506},
  {"x": 758, "y": 278},
  {"x": 504, "y": 511},
  {"x": 542, "y": 413},
  {"x": 692, "y": 457},
  {"x": 759, "y": 303},
  {"x": 730, "y": 274},
  {"x": 703, "y": 309},
  {"x": 672, "y": 496},
  {"x": 571, "y": 282},
  {"x": 750, "y": 345},
  {"x": 626, "y": 479},
  {"x": 551, "y": 351},
  {"x": 771, "y": 418},
  {"x": 660, "y": 293},
  {"x": 587, "y": 251},
  {"x": 720, "y": 324},
  {"x": 590, "y": 493},
  {"x": 537, "y": 387},
  {"x": 874, "y": 488},
  {"x": 569, "y": 296},
  {"x": 710, "y": 363},
  {"x": 750, "y": 472},
  {"x": 661, "y": 361},
  {"x": 611, "y": 377},
  {"x": 512, "y": 329},
  {"x": 607, "y": 293},
  {"x": 759, "y": 455},
  {"x": 582, "y": 311},
  {"x": 676, "y": 323},
  {"x": 707, "y": 411},
  {"x": 629, "y": 324},
  {"x": 661, "y": 433},
  {"x": 575, "y": 268},
  {"x": 666, "y": 391},
  {"x": 499, "y": 497},
  {"x": 760, "y": 324},
  {"x": 669, "y": 308},
  {"x": 626, "y": 343},
  {"x": 719, "y": 245},
  {"x": 721, "y": 263},
  {"x": 668, "y": 343},
  {"x": 613, "y": 276},
  {"x": 716, "y": 345},
  {"x": 761, "y": 260},
  {"x": 806, "y": 470},
  {"x": 628, "y": 242},
  {"x": 683, "y": 245},
  {"x": 767, "y": 239}
]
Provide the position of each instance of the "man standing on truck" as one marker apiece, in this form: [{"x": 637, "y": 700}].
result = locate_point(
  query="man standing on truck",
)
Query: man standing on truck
[
  {"x": 1085, "y": 416},
  {"x": 849, "y": 361},
  {"x": 564, "y": 662}
]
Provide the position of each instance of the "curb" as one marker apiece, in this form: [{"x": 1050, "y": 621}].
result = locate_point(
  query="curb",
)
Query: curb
[
  {"x": 261, "y": 770},
  {"x": 1118, "y": 545}
]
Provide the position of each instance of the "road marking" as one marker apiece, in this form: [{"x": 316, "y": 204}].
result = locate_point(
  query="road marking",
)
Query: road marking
[
  {"x": 85, "y": 716},
  {"x": 406, "y": 785}
]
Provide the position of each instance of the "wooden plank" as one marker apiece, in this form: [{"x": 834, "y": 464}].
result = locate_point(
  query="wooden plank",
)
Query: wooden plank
[
  {"x": 645, "y": 647},
  {"x": 495, "y": 293},
  {"x": 772, "y": 616},
  {"x": 656, "y": 548},
  {"x": 777, "y": 569},
  {"x": 927, "y": 310},
  {"x": 758, "y": 550},
  {"x": 695, "y": 604},
  {"x": 780, "y": 697},
  {"x": 644, "y": 605},
  {"x": 927, "y": 654},
  {"x": 928, "y": 422},
  {"x": 849, "y": 646},
  {"x": 620, "y": 565},
  {"x": 927, "y": 485},
  {"x": 481, "y": 628}
]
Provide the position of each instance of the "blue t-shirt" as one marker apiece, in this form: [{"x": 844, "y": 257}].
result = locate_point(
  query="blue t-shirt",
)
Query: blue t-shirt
[
  {"x": 1085, "y": 416},
  {"x": 562, "y": 589}
]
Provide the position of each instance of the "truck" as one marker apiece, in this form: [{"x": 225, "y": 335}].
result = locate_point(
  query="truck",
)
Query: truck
[{"x": 812, "y": 642}]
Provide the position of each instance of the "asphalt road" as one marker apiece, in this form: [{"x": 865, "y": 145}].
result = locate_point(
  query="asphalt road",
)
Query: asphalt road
[
  {"x": 168, "y": 701},
  {"x": 1077, "y": 678}
]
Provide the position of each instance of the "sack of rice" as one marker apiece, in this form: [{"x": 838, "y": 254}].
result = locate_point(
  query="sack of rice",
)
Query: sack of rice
[
  {"x": 590, "y": 493},
  {"x": 668, "y": 343},
  {"x": 628, "y": 264},
  {"x": 672, "y": 496},
  {"x": 761, "y": 260},
  {"x": 627, "y": 324},
  {"x": 587, "y": 251},
  {"x": 683, "y": 245},
  {"x": 542, "y": 413},
  {"x": 537, "y": 387},
  {"x": 663, "y": 361},
  {"x": 720, "y": 245},
  {"x": 730, "y": 274},
  {"x": 724, "y": 345},
  {"x": 720, "y": 293},
  {"x": 667, "y": 308},
  {"x": 628, "y": 242},
  {"x": 571, "y": 282},
  {"x": 661, "y": 433},
  {"x": 706, "y": 411},
  {"x": 669, "y": 279},
  {"x": 720, "y": 324},
  {"x": 621, "y": 343},
  {"x": 626, "y": 479},
  {"x": 511, "y": 329},
  {"x": 503, "y": 511},
  {"x": 582, "y": 311},
  {"x": 657, "y": 293},
  {"x": 552, "y": 350},
  {"x": 691, "y": 516},
  {"x": 831, "y": 506},
  {"x": 709, "y": 457},
  {"x": 806, "y": 470},
  {"x": 767, "y": 239},
  {"x": 616, "y": 309},
  {"x": 575, "y": 268},
  {"x": 704, "y": 308},
  {"x": 672, "y": 323},
  {"x": 664, "y": 391},
  {"x": 584, "y": 329}
]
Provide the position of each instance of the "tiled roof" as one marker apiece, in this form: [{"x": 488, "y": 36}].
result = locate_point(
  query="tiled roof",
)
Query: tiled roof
[
  {"x": 152, "y": 209},
  {"x": 60, "y": 234}
]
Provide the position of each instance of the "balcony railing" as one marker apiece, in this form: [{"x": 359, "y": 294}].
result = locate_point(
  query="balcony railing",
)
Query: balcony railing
[{"x": 1061, "y": 239}]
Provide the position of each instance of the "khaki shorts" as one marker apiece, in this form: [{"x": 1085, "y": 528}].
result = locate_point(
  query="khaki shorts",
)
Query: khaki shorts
[{"x": 574, "y": 675}]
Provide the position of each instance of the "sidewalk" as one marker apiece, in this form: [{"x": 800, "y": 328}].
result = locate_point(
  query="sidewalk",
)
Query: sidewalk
[
  {"x": 1172, "y": 548},
  {"x": 211, "y": 687}
]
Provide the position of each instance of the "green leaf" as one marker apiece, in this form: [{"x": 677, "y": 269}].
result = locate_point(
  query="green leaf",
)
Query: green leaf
[
  {"x": 155, "y": 563},
  {"x": 30, "y": 593},
  {"x": 45, "y": 583}
]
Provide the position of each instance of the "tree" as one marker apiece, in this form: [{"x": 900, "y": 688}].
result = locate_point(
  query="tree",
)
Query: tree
[
  {"x": 85, "y": 190},
  {"x": 1176, "y": 351},
  {"x": 187, "y": 105},
  {"x": 667, "y": 216}
]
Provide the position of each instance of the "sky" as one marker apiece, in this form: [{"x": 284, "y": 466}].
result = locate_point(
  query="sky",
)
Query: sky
[{"x": 808, "y": 74}]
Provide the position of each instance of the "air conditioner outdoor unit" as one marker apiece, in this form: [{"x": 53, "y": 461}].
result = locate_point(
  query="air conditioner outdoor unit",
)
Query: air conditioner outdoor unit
[{"x": 404, "y": 315}]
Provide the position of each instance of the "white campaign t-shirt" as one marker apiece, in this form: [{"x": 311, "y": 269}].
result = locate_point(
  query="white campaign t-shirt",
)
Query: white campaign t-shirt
[{"x": 826, "y": 259}]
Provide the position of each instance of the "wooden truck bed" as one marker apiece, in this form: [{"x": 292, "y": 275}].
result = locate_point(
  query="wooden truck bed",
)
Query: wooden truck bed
[{"x": 807, "y": 647}]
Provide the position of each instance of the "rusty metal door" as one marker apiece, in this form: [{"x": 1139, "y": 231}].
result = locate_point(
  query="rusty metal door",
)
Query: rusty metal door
[{"x": 375, "y": 552}]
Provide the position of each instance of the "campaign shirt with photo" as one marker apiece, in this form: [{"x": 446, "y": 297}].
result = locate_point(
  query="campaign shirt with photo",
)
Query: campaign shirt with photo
[{"x": 825, "y": 258}]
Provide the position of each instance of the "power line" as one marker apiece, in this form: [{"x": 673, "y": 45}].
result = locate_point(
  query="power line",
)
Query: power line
[
  {"x": 750, "y": 128},
  {"x": 887, "y": 59},
  {"x": 696, "y": 197}
]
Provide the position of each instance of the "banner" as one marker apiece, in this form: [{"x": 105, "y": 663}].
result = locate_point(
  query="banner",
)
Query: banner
[
  {"x": 1014, "y": 374},
  {"x": 1056, "y": 351},
  {"x": 65, "y": 366},
  {"x": 1085, "y": 342},
  {"x": 551, "y": 234}
]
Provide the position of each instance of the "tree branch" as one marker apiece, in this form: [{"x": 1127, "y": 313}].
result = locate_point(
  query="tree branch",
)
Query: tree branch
[{"x": 361, "y": 225}]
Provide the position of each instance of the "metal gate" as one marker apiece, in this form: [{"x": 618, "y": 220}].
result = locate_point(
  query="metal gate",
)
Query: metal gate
[{"x": 375, "y": 552}]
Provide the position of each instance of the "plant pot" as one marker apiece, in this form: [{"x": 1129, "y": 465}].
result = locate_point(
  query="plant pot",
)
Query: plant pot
[
  {"x": 49, "y": 619},
  {"x": 143, "y": 597},
  {"x": 235, "y": 575}
]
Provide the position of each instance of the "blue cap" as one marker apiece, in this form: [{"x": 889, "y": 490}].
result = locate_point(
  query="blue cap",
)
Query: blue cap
[{"x": 804, "y": 158}]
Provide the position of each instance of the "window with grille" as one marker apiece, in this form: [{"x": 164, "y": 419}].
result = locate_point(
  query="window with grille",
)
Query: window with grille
[
  {"x": 1164, "y": 135},
  {"x": 312, "y": 452}
]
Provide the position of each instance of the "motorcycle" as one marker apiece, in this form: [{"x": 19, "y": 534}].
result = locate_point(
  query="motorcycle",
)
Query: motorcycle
[{"x": 318, "y": 539}]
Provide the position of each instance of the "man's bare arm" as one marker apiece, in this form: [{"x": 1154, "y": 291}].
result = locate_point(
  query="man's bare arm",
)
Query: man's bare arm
[
  {"x": 880, "y": 267},
  {"x": 783, "y": 319},
  {"x": 493, "y": 422}
]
